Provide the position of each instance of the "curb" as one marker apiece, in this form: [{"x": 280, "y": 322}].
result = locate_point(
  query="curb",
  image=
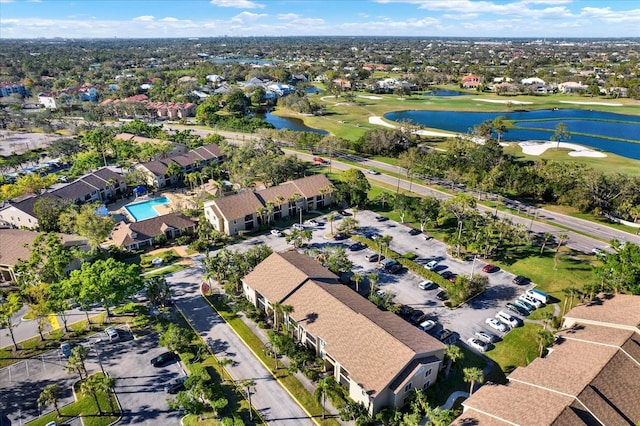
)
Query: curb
[{"x": 313, "y": 419}]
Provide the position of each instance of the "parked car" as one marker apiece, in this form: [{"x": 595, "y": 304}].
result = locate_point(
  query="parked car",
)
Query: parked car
[
  {"x": 524, "y": 304},
  {"x": 164, "y": 359},
  {"x": 344, "y": 213},
  {"x": 370, "y": 234},
  {"x": 373, "y": 172},
  {"x": 357, "y": 246},
  {"x": 277, "y": 233},
  {"x": 65, "y": 349},
  {"x": 507, "y": 319},
  {"x": 319, "y": 160},
  {"x": 417, "y": 317},
  {"x": 381, "y": 218},
  {"x": 496, "y": 325},
  {"x": 445, "y": 334},
  {"x": 478, "y": 344},
  {"x": 521, "y": 280},
  {"x": 517, "y": 309},
  {"x": 426, "y": 236},
  {"x": 391, "y": 265},
  {"x": 176, "y": 386},
  {"x": 406, "y": 311},
  {"x": 427, "y": 325},
  {"x": 538, "y": 294},
  {"x": 340, "y": 236},
  {"x": 490, "y": 268},
  {"x": 531, "y": 300},
  {"x": 449, "y": 276},
  {"x": 298, "y": 226},
  {"x": 313, "y": 222},
  {"x": 112, "y": 334},
  {"x": 486, "y": 336},
  {"x": 431, "y": 265},
  {"x": 374, "y": 257},
  {"x": 442, "y": 295},
  {"x": 427, "y": 285},
  {"x": 414, "y": 231}
]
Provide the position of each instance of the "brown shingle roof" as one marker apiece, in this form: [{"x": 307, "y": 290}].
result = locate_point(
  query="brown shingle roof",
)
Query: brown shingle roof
[
  {"x": 157, "y": 167},
  {"x": 237, "y": 206},
  {"x": 376, "y": 345},
  {"x": 621, "y": 309},
  {"x": 12, "y": 244},
  {"x": 311, "y": 185},
  {"x": 209, "y": 152},
  {"x": 148, "y": 228},
  {"x": 285, "y": 190}
]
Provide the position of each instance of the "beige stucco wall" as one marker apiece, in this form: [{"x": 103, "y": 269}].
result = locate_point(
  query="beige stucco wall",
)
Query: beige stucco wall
[{"x": 18, "y": 218}]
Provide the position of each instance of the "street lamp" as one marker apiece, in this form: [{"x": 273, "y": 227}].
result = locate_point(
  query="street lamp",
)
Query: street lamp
[
  {"x": 93, "y": 345},
  {"x": 473, "y": 267}
]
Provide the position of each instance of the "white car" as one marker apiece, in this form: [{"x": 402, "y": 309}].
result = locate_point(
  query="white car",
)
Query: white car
[
  {"x": 277, "y": 233},
  {"x": 427, "y": 325},
  {"x": 373, "y": 172},
  {"x": 313, "y": 222},
  {"x": 427, "y": 285},
  {"x": 505, "y": 318},
  {"x": 431, "y": 265},
  {"x": 112, "y": 333},
  {"x": 535, "y": 302},
  {"x": 496, "y": 325},
  {"x": 298, "y": 226},
  {"x": 478, "y": 344},
  {"x": 486, "y": 336}
]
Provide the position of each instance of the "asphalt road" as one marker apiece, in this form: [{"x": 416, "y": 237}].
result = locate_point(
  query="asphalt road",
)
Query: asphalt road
[{"x": 275, "y": 405}]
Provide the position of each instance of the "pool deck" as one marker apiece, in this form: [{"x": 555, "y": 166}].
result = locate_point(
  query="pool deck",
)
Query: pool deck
[{"x": 178, "y": 202}]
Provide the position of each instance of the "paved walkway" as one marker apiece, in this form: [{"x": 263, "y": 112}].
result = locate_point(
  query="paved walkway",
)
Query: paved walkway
[{"x": 270, "y": 399}]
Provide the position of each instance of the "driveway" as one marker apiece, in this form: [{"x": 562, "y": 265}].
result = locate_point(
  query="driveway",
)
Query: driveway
[{"x": 275, "y": 405}]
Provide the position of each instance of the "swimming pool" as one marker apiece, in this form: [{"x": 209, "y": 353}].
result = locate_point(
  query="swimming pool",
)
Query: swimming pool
[{"x": 145, "y": 210}]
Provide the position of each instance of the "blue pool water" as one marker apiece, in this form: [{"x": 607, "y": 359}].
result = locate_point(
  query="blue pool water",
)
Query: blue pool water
[{"x": 145, "y": 210}]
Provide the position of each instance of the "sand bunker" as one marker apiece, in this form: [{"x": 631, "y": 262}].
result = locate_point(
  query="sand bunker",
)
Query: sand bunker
[
  {"x": 502, "y": 101},
  {"x": 539, "y": 147},
  {"x": 591, "y": 103},
  {"x": 380, "y": 122},
  {"x": 375, "y": 98}
]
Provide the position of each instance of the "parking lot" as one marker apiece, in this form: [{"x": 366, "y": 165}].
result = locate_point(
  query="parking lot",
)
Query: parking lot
[
  {"x": 139, "y": 386},
  {"x": 463, "y": 321}
]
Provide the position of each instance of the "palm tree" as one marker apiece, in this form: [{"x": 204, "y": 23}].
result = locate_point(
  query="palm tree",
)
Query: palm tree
[
  {"x": 49, "y": 396},
  {"x": 276, "y": 306},
  {"x": 324, "y": 387},
  {"x": 357, "y": 278},
  {"x": 473, "y": 375},
  {"x": 75, "y": 363},
  {"x": 91, "y": 385},
  {"x": 453, "y": 353},
  {"x": 373, "y": 280},
  {"x": 545, "y": 238},
  {"x": 249, "y": 386},
  {"x": 106, "y": 385},
  {"x": 385, "y": 241},
  {"x": 330, "y": 219},
  {"x": 544, "y": 338},
  {"x": 222, "y": 363},
  {"x": 287, "y": 310},
  {"x": 562, "y": 238}
]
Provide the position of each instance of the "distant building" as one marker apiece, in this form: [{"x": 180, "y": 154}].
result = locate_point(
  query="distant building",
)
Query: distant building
[
  {"x": 47, "y": 100},
  {"x": 470, "y": 81},
  {"x": 591, "y": 375},
  {"x": 572, "y": 87},
  {"x": 8, "y": 89},
  {"x": 178, "y": 148}
]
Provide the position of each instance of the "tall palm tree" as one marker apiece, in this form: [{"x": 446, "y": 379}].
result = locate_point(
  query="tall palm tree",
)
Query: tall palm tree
[
  {"x": 287, "y": 310},
  {"x": 473, "y": 375},
  {"x": 249, "y": 386},
  {"x": 330, "y": 219},
  {"x": 222, "y": 363},
  {"x": 106, "y": 384},
  {"x": 373, "y": 280},
  {"x": 453, "y": 353},
  {"x": 276, "y": 306},
  {"x": 357, "y": 278},
  {"x": 545, "y": 239},
  {"x": 544, "y": 338},
  {"x": 324, "y": 387},
  {"x": 49, "y": 396},
  {"x": 91, "y": 386},
  {"x": 561, "y": 239}
]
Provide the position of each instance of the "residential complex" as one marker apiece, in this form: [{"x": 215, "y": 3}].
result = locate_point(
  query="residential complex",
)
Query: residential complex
[
  {"x": 590, "y": 376},
  {"x": 135, "y": 235},
  {"x": 377, "y": 356},
  {"x": 248, "y": 210}
]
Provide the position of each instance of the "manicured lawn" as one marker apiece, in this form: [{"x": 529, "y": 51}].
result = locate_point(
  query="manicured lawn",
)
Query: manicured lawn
[
  {"x": 85, "y": 407},
  {"x": 165, "y": 271},
  {"x": 518, "y": 348}
]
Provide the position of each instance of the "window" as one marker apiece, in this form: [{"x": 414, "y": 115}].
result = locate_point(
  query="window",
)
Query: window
[
  {"x": 426, "y": 385},
  {"x": 428, "y": 373},
  {"x": 408, "y": 387}
]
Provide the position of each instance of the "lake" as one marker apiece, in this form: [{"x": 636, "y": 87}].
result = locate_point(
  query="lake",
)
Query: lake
[
  {"x": 446, "y": 92},
  {"x": 289, "y": 123},
  {"x": 599, "y": 129}
]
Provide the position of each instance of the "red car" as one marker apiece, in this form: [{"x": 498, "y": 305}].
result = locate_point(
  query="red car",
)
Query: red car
[
  {"x": 489, "y": 268},
  {"x": 319, "y": 160}
]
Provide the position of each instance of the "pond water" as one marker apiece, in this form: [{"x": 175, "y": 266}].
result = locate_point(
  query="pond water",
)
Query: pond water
[
  {"x": 445, "y": 92},
  {"x": 596, "y": 127},
  {"x": 289, "y": 123}
]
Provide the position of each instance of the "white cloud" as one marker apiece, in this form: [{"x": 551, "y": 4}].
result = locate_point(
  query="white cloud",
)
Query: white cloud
[
  {"x": 288, "y": 16},
  {"x": 240, "y": 4},
  {"x": 247, "y": 17},
  {"x": 169, "y": 19},
  {"x": 145, "y": 18}
]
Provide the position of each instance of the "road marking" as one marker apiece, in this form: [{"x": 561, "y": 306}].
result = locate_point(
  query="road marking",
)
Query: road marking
[{"x": 53, "y": 320}]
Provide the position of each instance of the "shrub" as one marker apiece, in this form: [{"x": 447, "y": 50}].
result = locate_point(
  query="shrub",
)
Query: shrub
[
  {"x": 410, "y": 256},
  {"x": 262, "y": 325}
]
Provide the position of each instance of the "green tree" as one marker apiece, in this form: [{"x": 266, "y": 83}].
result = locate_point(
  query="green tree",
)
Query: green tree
[
  {"x": 453, "y": 353},
  {"x": 357, "y": 278},
  {"x": 357, "y": 186},
  {"x": 48, "y": 211},
  {"x": 544, "y": 338},
  {"x": 325, "y": 387},
  {"x": 176, "y": 338},
  {"x": 8, "y": 310},
  {"x": 50, "y": 396},
  {"x": 87, "y": 223},
  {"x": 76, "y": 361},
  {"x": 473, "y": 375},
  {"x": 249, "y": 386},
  {"x": 560, "y": 133},
  {"x": 499, "y": 126},
  {"x": 91, "y": 385},
  {"x": 158, "y": 291},
  {"x": 99, "y": 140},
  {"x": 174, "y": 171},
  {"x": 298, "y": 237},
  {"x": 107, "y": 282},
  {"x": 337, "y": 260}
]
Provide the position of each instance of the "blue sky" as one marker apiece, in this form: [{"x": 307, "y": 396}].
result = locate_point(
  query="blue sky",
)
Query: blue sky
[{"x": 213, "y": 18}]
